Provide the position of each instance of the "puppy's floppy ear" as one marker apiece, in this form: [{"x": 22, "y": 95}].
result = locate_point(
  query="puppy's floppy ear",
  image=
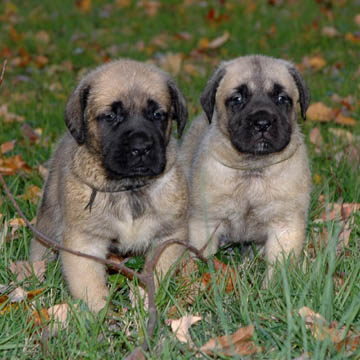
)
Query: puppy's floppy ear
[
  {"x": 178, "y": 104},
  {"x": 207, "y": 98},
  {"x": 75, "y": 112},
  {"x": 304, "y": 93}
]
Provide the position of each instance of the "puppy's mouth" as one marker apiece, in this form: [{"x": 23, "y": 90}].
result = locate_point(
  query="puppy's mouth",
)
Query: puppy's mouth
[
  {"x": 140, "y": 171},
  {"x": 262, "y": 147}
]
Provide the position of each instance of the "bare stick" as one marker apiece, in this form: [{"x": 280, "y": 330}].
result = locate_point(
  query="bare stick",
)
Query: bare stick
[{"x": 55, "y": 245}]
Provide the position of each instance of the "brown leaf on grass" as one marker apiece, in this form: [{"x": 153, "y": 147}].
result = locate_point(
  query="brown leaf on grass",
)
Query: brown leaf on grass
[
  {"x": 52, "y": 319},
  {"x": 15, "y": 225},
  {"x": 205, "y": 43},
  {"x": 180, "y": 327},
  {"x": 342, "y": 214},
  {"x": 353, "y": 38},
  {"x": 316, "y": 138},
  {"x": 223, "y": 273},
  {"x": 122, "y": 3},
  {"x": 40, "y": 318},
  {"x": 43, "y": 171},
  {"x": 188, "y": 279},
  {"x": 7, "y": 146},
  {"x": 42, "y": 36},
  {"x": 25, "y": 269},
  {"x": 32, "y": 193},
  {"x": 321, "y": 330},
  {"x": 184, "y": 36},
  {"x": 316, "y": 62},
  {"x": 15, "y": 35},
  {"x": 171, "y": 62},
  {"x": 344, "y": 120},
  {"x": 11, "y": 165},
  {"x": 329, "y": 31},
  {"x": 219, "y": 41},
  {"x": 336, "y": 211},
  {"x": 151, "y": 7},
  {"x": 84, "y": 5},
  {"x": 357, "y": 19},
  {"x": 319, "y": 112},
  {"x": 160, "y": 41},
  {"x": 41, "y": 61},
  {"x": 342, "y": 134},
  {"x": 9, "y": 117},
  {"x": 16, "y": 297},
  {"x": 238, "y": 343}
]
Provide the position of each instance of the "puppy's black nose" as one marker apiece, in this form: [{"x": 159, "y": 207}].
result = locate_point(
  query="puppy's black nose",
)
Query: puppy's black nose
[
  {"x": 262, "y": 120},
  {"x": 140, "y": 146}
]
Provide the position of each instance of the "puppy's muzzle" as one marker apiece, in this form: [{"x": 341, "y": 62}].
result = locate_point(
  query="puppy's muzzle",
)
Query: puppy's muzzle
[
  {"x": 140, "y": 147},
  {"x": 261, "y": 120}
]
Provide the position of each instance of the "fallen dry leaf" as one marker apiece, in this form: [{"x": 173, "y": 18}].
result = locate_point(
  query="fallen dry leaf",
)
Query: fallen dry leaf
[
  {"x": 17, "y": 295},
  {"x": 58, "y": 315},
  {"x": 32, "y": 193},
  {"x": 151, "y": 7},
  {"x": 9, "y": 117},
  {"x": 219, "y": 41},
  {"x": 353, "y": 38},
  {"x": 342, "y": 134},
  {"x": 84, "y": 5},
  {"x": 316, "y": 138},
  {"x": 42, "y": 36},
  {"x": 180, "y": 327},
  {"x": 171, "y": 62},
  {"x": 357, "y": 19},
  {"x": 345, "y": 120},
  {"x": 29, "y": 133},
  {"x": 238, "y": 343},
  {"x": 40, "y": 318},
  {"x": 15, "y": 225},
  {"x": 223, "y": 273},
  {"x": 122, "y": 3},
  {"x": 43, "y": 171},
  {"x": 321, "y": 330},
  {"x": 315, "y": 62},
  {"x": 319, "y": 112},
  {"x": 41, "y": 61},
  {"x": 9, "y": 166},
  {"x": 7, "y": 146},
  {"x": 25, "y": 269},
  {"x": 336, "y": 211},
  {"x": 329, "y": 31}
]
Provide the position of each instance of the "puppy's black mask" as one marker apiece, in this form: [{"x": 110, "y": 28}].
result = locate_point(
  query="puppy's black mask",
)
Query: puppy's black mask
[
  {"x": 133, "y": 140},
  {"x": 259, "y": 123}
]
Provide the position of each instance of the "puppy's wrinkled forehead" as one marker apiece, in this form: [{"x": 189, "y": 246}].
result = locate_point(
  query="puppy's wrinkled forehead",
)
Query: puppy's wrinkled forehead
[
  {"x": 259, "y": 73},
  {"x": 131, "y": 83}
]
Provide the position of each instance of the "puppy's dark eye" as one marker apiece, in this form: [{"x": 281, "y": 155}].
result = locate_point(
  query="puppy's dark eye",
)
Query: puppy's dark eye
[
  {"x": 238, "y": 99},
  {"x": 110, "y": 117},
  {"x": 282, "y": 99},
  {"x": 158, "y": 114}
]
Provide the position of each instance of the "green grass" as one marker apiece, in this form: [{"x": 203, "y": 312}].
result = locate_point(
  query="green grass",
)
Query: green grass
[{"x": 79, "y": 41}]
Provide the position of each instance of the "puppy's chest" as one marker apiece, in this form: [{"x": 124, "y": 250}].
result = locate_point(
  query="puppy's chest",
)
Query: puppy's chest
[
  {"x": 131, "y": 219},
  {"x": 249, "y": 209}
]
